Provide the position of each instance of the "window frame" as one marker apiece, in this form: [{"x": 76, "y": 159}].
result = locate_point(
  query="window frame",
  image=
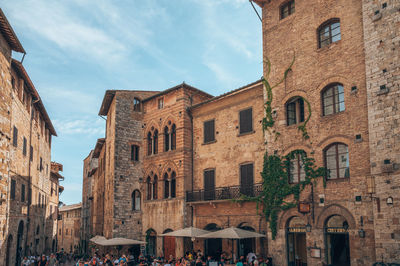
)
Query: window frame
[
  {"x": 335, "y": 88},
  {"x": 251, "y": 130},
  {"x": 160, "y": 103},
  {"x": 299, "y": 113},
  {"x": 212, "y": 136},
  {"x": 323, "y": 26},
  {"x": 300, "y": 165},
  {"x": 15, "y": 136},
  {"x": 149, "y": 144},
  {"x": 136, "y": 104},
  {"x": 136, "y": 197},
  {"x": 337, "y": 166},
  {"x": 135, "y": 151},
  {"x": 291, "y": 9},
  {"x": 13, "y": 187}
]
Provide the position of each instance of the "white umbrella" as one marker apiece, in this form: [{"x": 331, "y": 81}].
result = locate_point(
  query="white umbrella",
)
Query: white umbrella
[
  {"x": 119, "y": 242},
  {"x": 187, "y": 232},
  {"x": 97, "y": 238},
  {"x": 232, "y": 233}
]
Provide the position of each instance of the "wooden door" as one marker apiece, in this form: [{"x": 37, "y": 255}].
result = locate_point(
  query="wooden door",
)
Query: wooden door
[{"x": 169, "y": 247}]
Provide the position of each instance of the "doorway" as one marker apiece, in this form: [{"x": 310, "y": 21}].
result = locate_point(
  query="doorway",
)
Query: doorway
[
  {"x": 337, "y": 241},
  {"x": 151, "y": 239},
  {"x": 8, "y": 249},
  {"x": 296, "y": 242},
  {"x": 19, "y": 241},
  {"x": 213, "y": 246},
  {"x": 246, "y": 245},
  {"x": 168, "y": 245}
]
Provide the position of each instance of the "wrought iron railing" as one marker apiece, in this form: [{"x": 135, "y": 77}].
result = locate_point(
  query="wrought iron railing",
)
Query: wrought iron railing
[{"x": 223, "y": 193}]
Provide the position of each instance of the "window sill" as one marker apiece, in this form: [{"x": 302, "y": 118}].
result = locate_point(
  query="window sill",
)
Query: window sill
[
  {"x": 328, "y": 47},
  {"x": 332, "y": 115},
  {"x": 338, "y": 180},
  {"x": 246, "y": 133},
  {"x": 209, "y": 142}
]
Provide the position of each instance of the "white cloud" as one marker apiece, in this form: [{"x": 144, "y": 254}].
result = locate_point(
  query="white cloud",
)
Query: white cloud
[{"x": 83, "y": 126}]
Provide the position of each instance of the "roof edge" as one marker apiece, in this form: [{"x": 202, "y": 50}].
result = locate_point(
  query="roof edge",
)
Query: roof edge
[{"x": 9, "y": 34}]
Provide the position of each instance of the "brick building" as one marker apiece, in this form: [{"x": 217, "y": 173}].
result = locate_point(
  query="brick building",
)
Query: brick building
[
  {"x": 69, "y": 227},
  {"x": 26, "y": 183}
]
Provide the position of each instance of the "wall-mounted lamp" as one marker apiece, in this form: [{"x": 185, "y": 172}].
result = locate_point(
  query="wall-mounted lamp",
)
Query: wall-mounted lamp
[
  {"x": 361, "y": 233},
  {"x": 308, "y": 227},
  {"x": 389, "y": 201}
]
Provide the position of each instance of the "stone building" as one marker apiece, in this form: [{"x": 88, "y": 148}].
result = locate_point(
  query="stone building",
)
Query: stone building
[
  {"x": 26, "y": 166},
  {"x": 228, "y": 155},
  {"x": 69, "y": 227}
]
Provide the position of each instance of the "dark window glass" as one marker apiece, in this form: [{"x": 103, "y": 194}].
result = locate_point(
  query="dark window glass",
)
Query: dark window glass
[
  {"x": 135, "y": 153},
  {"x": 209, "y": 131},
  {"x": 337, "y": 161},
  {"x": 333, "y": 99},
  {"x": 31, "y": 154},
  {"x": 246, "y": 179},
  {"x": 329, "y": 33},
  {"x": 15, "y": 137},
  {"x": 166, "y": 139},
  {"x": 161, "y": 103},
  {"x": 149, "y": 144},
  {"x": 24, "y": 147},
  {"x": 148, "y": 188},
  {"x": 22, "y": 192},
  {"x": 12, "y": 193},
  {"x": 246, "y": 121},
  {"x": 166, "y": 186},
  {"x": 136, "y": 104},
  {"x": 287, "y": 9},
  {"x": 41, "y": 164},
  {"x": 173, "y": 137},
  {"x": 209, "y": 184},
  {"x": 173, "y": 185},
  {"x": 155, "y": 142},
  {"x": 296, "y": 171},
  {"x": 155, "y": 187},
  {"x": 295, "y": 111}
]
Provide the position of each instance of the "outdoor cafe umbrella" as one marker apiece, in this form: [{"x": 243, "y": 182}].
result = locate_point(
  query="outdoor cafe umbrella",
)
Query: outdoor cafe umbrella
[
  {"x": 191, "y": 232},
  {"x": 232, "y": 233},
  {"x": 97, "y": 238},
  {"x": 119, "y": 241}
]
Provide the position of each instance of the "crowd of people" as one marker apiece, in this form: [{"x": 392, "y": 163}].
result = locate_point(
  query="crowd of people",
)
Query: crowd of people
[{"x": 190, "y": 259}]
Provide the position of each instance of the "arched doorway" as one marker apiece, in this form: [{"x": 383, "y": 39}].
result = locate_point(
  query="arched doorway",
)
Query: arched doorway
[
  {"x": 247, "y": 245},
  {"x": 18, "y": 251},
  {"x": 337, "y": 241},
  {"x": 296, "y": 242},
  {"x": 8, "y": 249},
  {"x": 53, "y": 246},
  {"x": 168, "y": 245},
  {"x": 213, "y": 246},
  {"x": 151, "y": 239}
]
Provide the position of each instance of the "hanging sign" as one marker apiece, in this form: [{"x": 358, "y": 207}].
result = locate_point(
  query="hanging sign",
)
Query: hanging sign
[
  {"x": 315, "y": 252},
  {"x": 304, "y": 207}
]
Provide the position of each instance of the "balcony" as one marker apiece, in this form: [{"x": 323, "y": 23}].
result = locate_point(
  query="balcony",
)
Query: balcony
[{"x": 223, "y": 193}]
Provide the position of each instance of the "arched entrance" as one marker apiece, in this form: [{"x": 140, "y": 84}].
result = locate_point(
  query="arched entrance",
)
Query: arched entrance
[
  {"x": 213, "y": 246},
  {"x": 168, "y": 245},
  {"x": 151, "y": 239},
  {"x": 53, "y": 246},
  {"x": 18, "y": 251},
  {"x": 296, "y": 242},
  {"x": 246, "y": 245},
  {"x": 337, "y": 241},
  {"x": 8, "y": 249}
]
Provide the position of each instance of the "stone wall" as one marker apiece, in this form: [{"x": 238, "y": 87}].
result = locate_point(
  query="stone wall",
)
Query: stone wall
[
  {"x": 381, "y": 21},
  {"x": 69, "y": 229}
]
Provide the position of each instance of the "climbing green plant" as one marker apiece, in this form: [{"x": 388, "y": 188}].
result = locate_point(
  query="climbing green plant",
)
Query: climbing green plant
[{"x": 277, "y": 194}]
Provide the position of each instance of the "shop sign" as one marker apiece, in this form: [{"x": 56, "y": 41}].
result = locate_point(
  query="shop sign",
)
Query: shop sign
[
  {"x": 336, "y": 230},
  {"x": 296, "y": 229},
  {"x": 315, "y": 252},
  {"x": 304, "y": 207}
]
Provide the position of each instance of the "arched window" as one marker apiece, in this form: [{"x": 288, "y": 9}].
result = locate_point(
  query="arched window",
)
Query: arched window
[
  {"x": 336, "y": 158},
  {"x": 333, "y": 99},
  {"x": 166, "y": 139},
  {"x": 166, "y": 186},
  {"x": 296, "y": 170},
  {"x": 155, "y": 142},
  {"x": 136, "y": 104},
  {"x": 155, "y": 187},
  {"x": 295, "y": 111},
  {"x": 148, "y": 182},
  {"x": 149, "y": 144},
  {"x": 329, "y": 32},
  {"x": 173, "y": 185},
  {"x": 136, "y": 200},
  {"x": 173, "y": 137}
]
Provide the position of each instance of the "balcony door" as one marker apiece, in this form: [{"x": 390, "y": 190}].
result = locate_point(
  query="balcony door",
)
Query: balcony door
[
  {"x": 209, "y": 184},
  {"x": 246, "y": 179}
]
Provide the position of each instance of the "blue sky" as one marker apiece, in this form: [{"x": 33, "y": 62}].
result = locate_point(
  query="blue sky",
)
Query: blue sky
[{"x": 77, "y": 49}]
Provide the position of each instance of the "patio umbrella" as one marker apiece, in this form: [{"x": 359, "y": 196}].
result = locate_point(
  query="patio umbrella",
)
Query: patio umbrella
[
  {"x": 119, "y": 242},
  {"x": 97, "y": 238},
  {"x": 232, "y": 233},
  {"x": 187, "y": 232}
]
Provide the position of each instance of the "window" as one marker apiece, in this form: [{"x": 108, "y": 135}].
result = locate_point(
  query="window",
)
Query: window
[
  {"x": 15, "y": 137},
  {"x": 149, "y": 144},
  {"x": 246, "y": 121},
  {"x": 31, "y": 154},
  {"x": 337, "y": 161},
  {"x": 41, "y": 164},
  {"x": 24, "y": 147},
  {"x": 66, "y": 232},
  {"x": 59, "y": 231},
  {"x": 166, "y": 186},
  {"x": 328, "y": 33},
  {"x": 39, "y": 198},
  {"x": 173, "y": 185},
  {"x": 246, "y": 179},
  {"x": 333, "y": 99},
  {"x": 173, "y": 137},
  {"x": 296, "y": 170},
  {"x": 166, "y": 139},
  {"x": 209, "y": 131},
  {"x": 13, "y": 82},
  {"x": 155, "y": 187},
  {"x": 209, "y": 184},
  {"x": 287, "y": 9},
  {"x": 12, "y": 193},
  {"x": 136, "y": 104},
  {"x": 148, "y": 183},
  {"x": 295, "y": 111},
  {"x": 155, "y": 142},
  {"x": 160, "y": 103},
  {"x": 136, "y": 200},
  {"x": 22, "y": 193},
  {"x": 135, "y": 153}
]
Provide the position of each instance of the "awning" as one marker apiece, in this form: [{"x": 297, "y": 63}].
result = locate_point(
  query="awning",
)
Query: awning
[
  {"x": 187, "y": 232},
  {"x": 232, "y": 233}
]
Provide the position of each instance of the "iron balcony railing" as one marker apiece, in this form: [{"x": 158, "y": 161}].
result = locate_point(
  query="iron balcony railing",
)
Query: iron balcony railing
[{"x": 224, "y": 193}]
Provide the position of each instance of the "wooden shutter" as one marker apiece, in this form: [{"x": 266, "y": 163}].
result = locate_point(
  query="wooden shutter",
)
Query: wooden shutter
[
  {"x": 12, "y": 189},
  {"x": 209, "y": 129},
  {"x": 209, "y": 184},
  {"x": 15, "y": 137},
  {"x": 246, "y": 179},
  {"x": 246, "y": 120}
]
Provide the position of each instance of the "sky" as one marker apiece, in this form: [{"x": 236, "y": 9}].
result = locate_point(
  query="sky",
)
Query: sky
[{"x": 78, "y": 49}]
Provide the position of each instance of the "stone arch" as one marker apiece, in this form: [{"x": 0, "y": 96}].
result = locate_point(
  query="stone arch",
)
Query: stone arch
[
  {"x": 287, "y": 215},
  {"x": 212, "y": 227},
  {"x": 335, "y": 139},
  {"x": 169, "y": 165},
  {"x": 294, "y": 94},
  {"x": 298, "y": 146},
  {"x": 335, "y": 209},
  {"x": 151, "y": 170},
  {"x": 170, "y": 118},
  {"x": 247, "y": 226},
  {"x": 151, "y": 127}
]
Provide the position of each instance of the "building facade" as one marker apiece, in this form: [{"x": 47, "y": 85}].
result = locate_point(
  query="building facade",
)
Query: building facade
[
  {"x": 27, "y": 199},
  {"x": 69, "y": 227}
]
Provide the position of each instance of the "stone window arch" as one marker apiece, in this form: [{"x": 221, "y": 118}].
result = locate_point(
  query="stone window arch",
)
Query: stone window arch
[
  {"x": 332, "y": 99},
  {"x": 336, "y": 158},
  {"x": 329, "y": 32}
]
